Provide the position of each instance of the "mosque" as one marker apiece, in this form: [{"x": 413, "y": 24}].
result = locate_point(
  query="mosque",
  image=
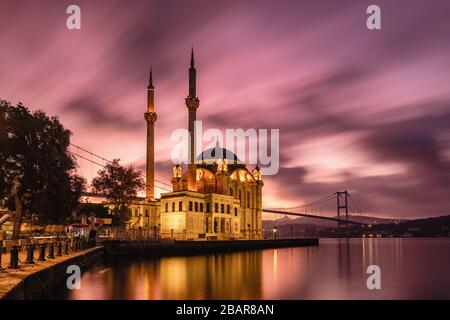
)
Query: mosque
[{"x": 215, "y": 198}]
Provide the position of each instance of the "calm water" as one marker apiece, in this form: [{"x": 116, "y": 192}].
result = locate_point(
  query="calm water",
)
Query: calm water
[{"x": 410, "y": 269}]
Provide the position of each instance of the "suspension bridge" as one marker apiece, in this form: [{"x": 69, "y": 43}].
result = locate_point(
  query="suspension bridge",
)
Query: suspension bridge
[{"x": 345, "y": 205}]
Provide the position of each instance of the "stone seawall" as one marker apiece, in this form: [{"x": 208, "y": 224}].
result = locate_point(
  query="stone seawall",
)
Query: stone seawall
[
  {"x": 39, "y": 284},
  {"x": 173, "y": 247},
  {"x": 40, "y": 280}
]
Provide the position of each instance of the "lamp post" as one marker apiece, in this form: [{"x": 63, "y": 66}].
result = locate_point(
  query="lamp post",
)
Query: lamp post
[{"x": 274, "y": 233}]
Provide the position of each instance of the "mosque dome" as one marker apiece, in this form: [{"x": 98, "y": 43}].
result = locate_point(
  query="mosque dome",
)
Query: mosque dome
[
  {"x": 216, "y": 153},
  {"x": 208, "y": 159}
]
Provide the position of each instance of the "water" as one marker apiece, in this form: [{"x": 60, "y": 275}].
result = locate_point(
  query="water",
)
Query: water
[{"x": 410, "y": 269}]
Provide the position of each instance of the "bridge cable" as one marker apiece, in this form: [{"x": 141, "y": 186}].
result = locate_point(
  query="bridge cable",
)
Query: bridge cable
[{"x": 354, "y": 203}]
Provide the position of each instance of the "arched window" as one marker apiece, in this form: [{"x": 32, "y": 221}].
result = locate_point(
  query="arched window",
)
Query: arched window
[
  {"x": 173, "y": 206},
  {"x": 216, "y": 207},
  {"x": 208, "y": 207},
  {"x": 167, "y": 207},
  {"x": 222, "y": 208},
  {"x": 201, "y": 206},
  {"x": 180, "y": 206},
  {"x": 190, "y": 205},
  {"x": 196, "y": 206},
  {"x": 228, "y": 208},
  {"x": 235, "y": 212}
]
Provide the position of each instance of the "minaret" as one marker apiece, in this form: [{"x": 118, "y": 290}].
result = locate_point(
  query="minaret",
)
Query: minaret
[
  {"x": 192, "y": 103},
  {"x": 150, "y": 118}
]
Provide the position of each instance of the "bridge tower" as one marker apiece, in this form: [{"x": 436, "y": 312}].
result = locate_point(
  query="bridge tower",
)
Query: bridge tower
[{"x": 342, "y": 207}]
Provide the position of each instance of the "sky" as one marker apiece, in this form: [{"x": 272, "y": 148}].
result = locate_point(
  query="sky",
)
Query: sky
[{"x": 366, "y": 111}]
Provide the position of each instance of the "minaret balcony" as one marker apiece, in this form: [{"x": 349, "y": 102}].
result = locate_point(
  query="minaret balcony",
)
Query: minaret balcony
[
  {"x": 150, "y": 117},
  {"x": 192, "y": 103}
]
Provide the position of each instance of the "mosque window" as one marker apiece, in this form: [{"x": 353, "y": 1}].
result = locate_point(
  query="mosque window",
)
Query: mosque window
[
  {"x": 196, "y": 206},
  {"x": 222, "y": 208},
  {"x": 201, "y": 207},
  {"x": 208, "y": 207},
  {"x": 167, "y": 207},
  {"x": 190, "y": 205},
  {"x": 173, "y": 206},
  {"x": 216, "y": 207},
  {"x": 228, "y": 208},
  {"x": 180, "y": 206}
]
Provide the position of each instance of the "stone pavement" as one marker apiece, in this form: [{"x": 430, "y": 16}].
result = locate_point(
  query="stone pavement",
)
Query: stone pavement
[{"x": 9, "y": 278}]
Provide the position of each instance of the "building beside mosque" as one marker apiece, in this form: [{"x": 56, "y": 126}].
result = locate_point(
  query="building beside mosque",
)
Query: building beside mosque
[{"x": 215, "y": 197}]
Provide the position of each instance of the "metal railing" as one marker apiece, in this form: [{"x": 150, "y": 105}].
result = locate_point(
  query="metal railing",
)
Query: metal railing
[
  {"x": 24, "y": 251},
  {"x": 127, "y": 234}
]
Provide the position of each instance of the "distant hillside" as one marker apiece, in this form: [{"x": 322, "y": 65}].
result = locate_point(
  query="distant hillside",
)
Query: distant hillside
[
  {"x": 374, "y": 220},
  {"x": 326, "y": 223},
  {"x": 304, "y": 227},
  {"x": 436, "y": 226}
]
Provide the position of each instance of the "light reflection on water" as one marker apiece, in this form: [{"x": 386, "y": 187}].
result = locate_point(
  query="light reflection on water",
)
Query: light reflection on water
[{"x": 410, "y": 269}]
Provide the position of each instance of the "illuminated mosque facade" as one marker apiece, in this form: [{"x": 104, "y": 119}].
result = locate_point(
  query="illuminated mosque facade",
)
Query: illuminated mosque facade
[{"x": 215, "y": 198}]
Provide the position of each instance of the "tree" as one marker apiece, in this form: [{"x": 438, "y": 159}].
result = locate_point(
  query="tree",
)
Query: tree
[
  {"x": 36, "y": 167},
  {"x": 98, "y": 209},
  {"x": 119, "y": 185}
]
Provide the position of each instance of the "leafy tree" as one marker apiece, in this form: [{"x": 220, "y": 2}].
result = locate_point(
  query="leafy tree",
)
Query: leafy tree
[
  {"x": 36, "y": 167},
  {"x": 119, "y": 185},
  {"x": 99, "y": 209}
]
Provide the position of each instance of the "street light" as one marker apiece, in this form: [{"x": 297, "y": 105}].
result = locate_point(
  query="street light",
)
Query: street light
[{"x": 274, "y": 233}]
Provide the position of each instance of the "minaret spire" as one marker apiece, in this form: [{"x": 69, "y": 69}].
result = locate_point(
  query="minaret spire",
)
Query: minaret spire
[
  {"x": 150, "y": 118},
  {"x": 192, "y": 77},
  {"x": 150, "y": 93},
  {"x": 192, "y": 103},
  {"x": 150, "y": 78}
]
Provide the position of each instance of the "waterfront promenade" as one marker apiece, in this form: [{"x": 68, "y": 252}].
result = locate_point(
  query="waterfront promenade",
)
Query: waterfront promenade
[
  {"x": 10, "y": 278},
  {"x": 35, "y": 281}
]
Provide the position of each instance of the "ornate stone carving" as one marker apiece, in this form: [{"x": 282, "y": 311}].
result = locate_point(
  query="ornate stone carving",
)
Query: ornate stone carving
[
  {"x": 150, "y": 117},
  {"x": 192, "y": 103}
]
